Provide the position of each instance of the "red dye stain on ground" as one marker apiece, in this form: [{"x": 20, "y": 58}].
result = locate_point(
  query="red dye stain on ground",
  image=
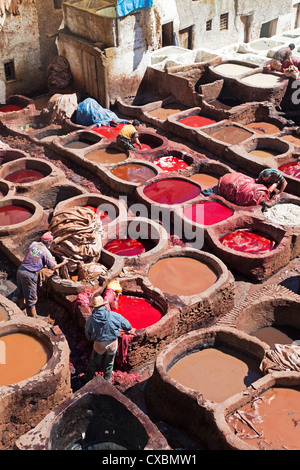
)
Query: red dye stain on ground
[
  {"x": 207, "y": 213},
  {"x": 171, "y": 191},
  {"x": 248, "y": 241},
  {"x": 144, "y": 147},
  {"x": 197, "y": 121},
  {"x": 104, "y": 216},
  {"x": 11, "y": 215},
  {"x": 8, "y": 108},
  {"x": 24, "y": 176},
  {"x": 128, "y": 246},
  {"x": 170, "y": 163},
  {"x": 108, "y": 131},
  {"x": 138, "y": 311},
  {"x": 292, "y": 169}
]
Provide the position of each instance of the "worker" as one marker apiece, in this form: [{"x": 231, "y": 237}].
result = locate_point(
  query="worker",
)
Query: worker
[
  {"x": 102, "y": 327},
  {"x": 273, "y": 180},
  {"x": 37, "y": 257},
  {"x": 128, "y": 136},
  {"x": 282, "y": 55}
]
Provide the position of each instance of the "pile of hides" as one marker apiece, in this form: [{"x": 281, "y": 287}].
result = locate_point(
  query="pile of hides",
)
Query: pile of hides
[
  {"x": 77, "y": 235},
  {"x": 281, "y": 357},
  {"x": 61, "y": 107},
  {"x": 242, "y": 190},
  {"x": 59, "y": 75},
  {"x": 90, "y": 112}
]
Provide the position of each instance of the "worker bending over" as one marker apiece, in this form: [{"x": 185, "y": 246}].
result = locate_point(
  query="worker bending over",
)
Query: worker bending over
[{"x": 273, "y": 180}]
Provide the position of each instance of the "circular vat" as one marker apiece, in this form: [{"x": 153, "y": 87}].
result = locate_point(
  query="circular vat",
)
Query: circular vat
[
  {"x": 170, "y": 191},
  {"x": 104, "y": 420},
  {"x": 15, "y": 103},
  {"x": 173, "y": 160},
  {"x": 250, "y": 246},
  {"x": 46, "y": 136},
  {"x": 9, "y": 155},
  {"x": 106, "y": 155},
  {"x": 126, "y": 177},
  {"x": 291, "y": 169},
  {"x": 271, "y": 412},
  {"x": 28, "y": 172},
  {"x": 231, "y": 68},
  {"x": 293, "y": 138},
  {"x": 35, "y": 376},
  {"x": 136, "y": 238},
  {"x": 285, "y": 212},
  {"x": 264, "y": 80},
  {"x": 267, "y": 147},
  {"x": 207, "y": 213},
  {"x": 207, "y": 174},
  {"x": 109, "y": 209},
  {"x": 78, "y": 141},
  {"x": 152, "y": 142},
  {"x": 196, "y": 373},
  {"x": 231, "y": 134},
  {"x": 18, "y": 214},
  {"x": 169, "y": 273}
]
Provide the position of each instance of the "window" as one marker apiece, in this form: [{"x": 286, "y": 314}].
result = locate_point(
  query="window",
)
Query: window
[
  {"x": 57, "y": 4},
  {"x": 209, "y": 25},
  {"x": 224, "y": 21},
  {"x": 9, "y": 70}
]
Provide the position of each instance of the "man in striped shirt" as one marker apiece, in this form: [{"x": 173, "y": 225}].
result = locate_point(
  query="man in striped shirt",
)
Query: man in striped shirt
[{"x": 273, "y": 180}]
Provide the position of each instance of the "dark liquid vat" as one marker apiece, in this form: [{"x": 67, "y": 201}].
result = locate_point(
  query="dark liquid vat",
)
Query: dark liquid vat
[{"x": 24, "y": 176}]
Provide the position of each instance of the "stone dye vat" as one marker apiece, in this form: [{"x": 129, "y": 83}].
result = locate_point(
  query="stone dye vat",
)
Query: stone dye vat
[
  {"x": 152, "y": 144},
  {"x": 263, "y": 128},
  {"x": 104, "y": 420},
  {"x": 197, "y": 395},
  {"x": 174, "y": 160},
  {"x": 170, "y": 191},
  {"x": 75, "y": 144},
  {"x": 207, "y": 173},
  {"x": 31, "y": 174},
  {"x": 106, "y": 156},
  {"x": 187, "y": 124},
  {"x": 250, "y": 246},
  {"x": 17, "y": 103},
  {"x": 126, "y": 177},
  {"x": 108, "y": 132},
  {"x": 36, "y": 376},
  {"x": 290, "y": 169},
  {"x": 136, "y": 239},
  {"x": 264, "y": 420},
  {"x": 207, "y": 213},
  {"x": 258, "y": 153},
  {"x": 218, "y": 137},
  {"x": 108, "y": 208},
  {"x": 18, "y": 214},
  {"x": 270, "y": 314},
  {"x": 203, "y": 295},
  {"x": 232, "y": 68},
  {"x": 293, "y": 138},
  {"x": 262, "y": 86},
  {"x": 158, "y": 112}
]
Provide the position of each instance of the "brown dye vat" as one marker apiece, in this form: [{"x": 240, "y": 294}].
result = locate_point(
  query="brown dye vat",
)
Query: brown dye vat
[
  {"x": 291, "y": 139},
  {"x": 106, "y": 155},
  {"x": 263, "y": 128},
  {"x": 216, "y": 373},
  {"x": 79, "y": 144},
  {"x": 134, "y": 172},
  {"x": 230, "y": 134},
  {"x": 205, "y": 180},
  {"x": 273, "y": 420},
  {"x": 165, "y": 111},
  {"x": 3, "y": 314},
  {"x": 279, "y": 334},
  {"x": 170, "y": 275},
  {"x": 25, "y": 355},
  {"x": 263, "y": 153}
]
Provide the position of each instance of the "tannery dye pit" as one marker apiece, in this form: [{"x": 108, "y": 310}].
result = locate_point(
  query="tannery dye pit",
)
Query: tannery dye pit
[{"x": 146, "y": 265}]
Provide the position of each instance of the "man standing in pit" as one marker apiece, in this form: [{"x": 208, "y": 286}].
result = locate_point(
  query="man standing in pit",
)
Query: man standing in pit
[{"x": 38, "y": 256}]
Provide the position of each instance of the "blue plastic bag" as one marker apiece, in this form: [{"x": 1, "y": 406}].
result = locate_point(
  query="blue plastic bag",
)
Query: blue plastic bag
[{"x": 90, "y": 112}]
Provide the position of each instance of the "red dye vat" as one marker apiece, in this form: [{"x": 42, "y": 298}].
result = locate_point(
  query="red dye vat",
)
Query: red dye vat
[
  {"x": 171, "y": 191},
  {"x": 8, "y": 108},
  {"x": 108, "y": 131},
  {"x": 138, "y": 311},
  {"x": 197, "y": 121},
  {"x": 143, "y": 147},
  {"x": 207, "y": 213},
  {"x": 104, "y": 216},
  {"x": 128, "y": 246},
  {"x": 248, "y": 241},
  {"x": 292, "y": 169},
  {"x": 170, "y": 163},
  {"x": 24, "y": 176},
  {"x": 11, "y": 215}
]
